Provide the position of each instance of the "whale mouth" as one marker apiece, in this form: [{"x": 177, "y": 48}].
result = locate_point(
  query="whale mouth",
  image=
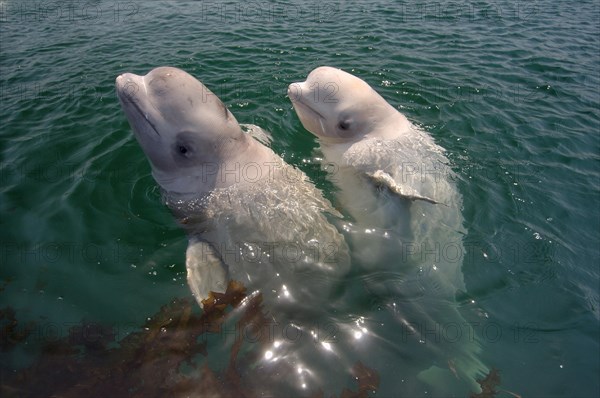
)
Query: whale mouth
[
  {"x": 297, "y": 100},
  {"x": 142, "y": 115},
  {"x": 308, "y": 108},
  {"x": 311, "y": 119},
  {"x": 128, "y": 96}
]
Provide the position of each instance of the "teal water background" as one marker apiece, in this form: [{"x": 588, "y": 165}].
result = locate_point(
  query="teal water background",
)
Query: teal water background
[{"x": 511, "y": 90}]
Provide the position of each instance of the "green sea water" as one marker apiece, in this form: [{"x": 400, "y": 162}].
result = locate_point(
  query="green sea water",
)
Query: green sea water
[{"x": 510, "y": 89}]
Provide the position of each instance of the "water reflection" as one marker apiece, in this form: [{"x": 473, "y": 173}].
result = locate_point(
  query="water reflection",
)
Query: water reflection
[
  {"x": 172, "y": 354},
  {"x": 231, "y": 348}
]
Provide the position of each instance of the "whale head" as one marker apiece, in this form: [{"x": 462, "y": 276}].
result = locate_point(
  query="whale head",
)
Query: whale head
[
  {"x": 182, "y": 127},
  {"x": 337, "y": 106}
]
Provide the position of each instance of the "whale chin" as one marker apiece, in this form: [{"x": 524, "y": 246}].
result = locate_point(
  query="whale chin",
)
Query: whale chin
[{"x": 310, "y": 119}]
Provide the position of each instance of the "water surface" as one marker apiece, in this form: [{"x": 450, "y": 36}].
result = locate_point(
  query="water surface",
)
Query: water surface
[{"x": 510, "y": 89}]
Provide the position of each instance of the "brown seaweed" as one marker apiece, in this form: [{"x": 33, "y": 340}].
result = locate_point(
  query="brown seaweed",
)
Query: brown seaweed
[
  {"x": 10, "y": 334},
  {"x": 157, "y": 360},
  {"x": 489, "y": 385},
  {"x": 368, "y": 381}
]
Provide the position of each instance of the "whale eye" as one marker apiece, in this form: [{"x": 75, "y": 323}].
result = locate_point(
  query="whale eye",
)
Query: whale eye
[
  {"x": 183, "y": 149},
  {"x": 344, "y": 125},
  {"x": 188, "y": 149}
]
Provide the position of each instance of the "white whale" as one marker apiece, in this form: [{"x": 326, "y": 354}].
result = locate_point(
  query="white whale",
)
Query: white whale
[
  {"x": 250, "y": 216},
  {"x": 396, "y": 184}
]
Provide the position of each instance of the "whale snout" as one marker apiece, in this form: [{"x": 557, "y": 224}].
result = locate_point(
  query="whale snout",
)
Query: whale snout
[
  {"x": 128, "y": 86},
  {"x": 294, "y": 92}
]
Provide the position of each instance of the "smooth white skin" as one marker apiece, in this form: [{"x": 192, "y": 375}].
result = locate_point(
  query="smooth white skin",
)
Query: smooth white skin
[
  {"x": 350, "y": 119},
  {"x": 272, "y": 235},
  {"x": 186, "y": 132},
  {"x": 344, "y": 111},
  {"x": 339, "y": 107}
]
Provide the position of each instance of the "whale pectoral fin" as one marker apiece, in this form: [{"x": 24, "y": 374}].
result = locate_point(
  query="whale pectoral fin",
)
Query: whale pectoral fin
[
  {"x": 382, "y": 179},
  {"x": 206, "y": 272},
  {"x": 437, "y": 378},
  {"x": 454, "y": 376}
]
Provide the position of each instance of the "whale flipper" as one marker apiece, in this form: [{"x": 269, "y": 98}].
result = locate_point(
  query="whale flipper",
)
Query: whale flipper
[
  {"x": 206, "y": 272},
  {"x": 382, "y": 179}
]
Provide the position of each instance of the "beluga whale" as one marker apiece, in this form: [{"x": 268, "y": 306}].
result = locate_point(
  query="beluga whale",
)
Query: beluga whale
[
  {"x": 249, "y": 216},
  {"x": 405, "y": 224}
]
